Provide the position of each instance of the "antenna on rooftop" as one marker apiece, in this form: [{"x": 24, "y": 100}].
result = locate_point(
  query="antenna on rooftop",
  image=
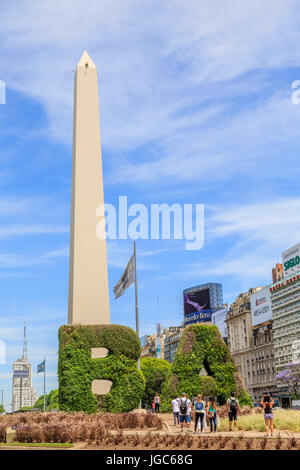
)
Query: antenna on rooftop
[{"x": 25, "y": 343}]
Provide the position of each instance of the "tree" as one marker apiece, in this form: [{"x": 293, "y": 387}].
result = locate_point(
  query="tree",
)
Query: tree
[
  {"x": 2, "y": 410},
  {"x": 290, "y": 377},
  {"x": 51, "y": 401},
  {"x": 155, "y": 372}
]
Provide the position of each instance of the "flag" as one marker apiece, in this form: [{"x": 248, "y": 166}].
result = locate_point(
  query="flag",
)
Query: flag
[
  {"x": 41, "y": 367},
  {"x": 127, "y": 278}
]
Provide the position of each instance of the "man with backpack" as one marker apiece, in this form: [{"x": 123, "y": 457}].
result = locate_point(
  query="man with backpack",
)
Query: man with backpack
[
  {"x": 233, "y": 409},
  {"x": 184, "y": 411}
]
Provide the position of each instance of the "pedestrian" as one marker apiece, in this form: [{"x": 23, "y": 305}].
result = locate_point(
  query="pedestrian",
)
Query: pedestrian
[
  {"x": 212, "y": 414},
  {"x": 200, "y": 412},
  {"x": 267, "y": 403},
  {"x": 184, "y": 411},
  {"x": 157, "y": 402},
  {"x": 153, "y": 407},
  {"x": 233, "y": 410},
  {"x": 175, "y": 409},
  {"x": 205, "y": 417}
]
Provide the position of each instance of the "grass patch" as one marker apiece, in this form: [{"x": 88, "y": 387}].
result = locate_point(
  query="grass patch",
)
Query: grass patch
[
  {"x": 285, "y": 420},
  {"x": 37, "y": 444}
]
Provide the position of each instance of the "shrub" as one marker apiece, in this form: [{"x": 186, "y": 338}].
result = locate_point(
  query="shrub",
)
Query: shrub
[
  {"x": 77, "y": 370},
  {"x": 155, "y": 372},
  {"x": 263, "y": 443},
  {"x": 75, "y": 427},
  {"x": 2, "y": 433},
  {"x": 202, "y": 346},
  {"x": 51, "y": 401}
]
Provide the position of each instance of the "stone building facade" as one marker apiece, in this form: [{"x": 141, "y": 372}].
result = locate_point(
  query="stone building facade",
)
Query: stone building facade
[
  {"x": 285, "y": 298},
  {"x": 171, "y": 342},
  {"x": 251, "y": 347},
  {"x": 277, "y": 273},
  {"x": 23, "y": 393}
]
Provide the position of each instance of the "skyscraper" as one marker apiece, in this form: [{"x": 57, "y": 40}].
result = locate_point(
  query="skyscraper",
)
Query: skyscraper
[{"x": 23, "y": 393}]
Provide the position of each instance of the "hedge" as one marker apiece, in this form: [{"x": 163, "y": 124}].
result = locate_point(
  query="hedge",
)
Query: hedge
[
  {"x": 202, "y": 346},
  {"x": 77, "y": 370},
  {"x": 155, "y": 372}
]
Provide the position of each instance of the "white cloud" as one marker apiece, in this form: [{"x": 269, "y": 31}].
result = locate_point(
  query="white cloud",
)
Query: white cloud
[
  {"x": 21, "y": 261},
  {"x": 21, "y": 230},
  {"x": 244, "y": 144},
  {"x": 260, "y": 233},
  {"x": 119, "y": 253},
  {"x": 157, "y": 63},
  {"x": 275, "y": 224}
]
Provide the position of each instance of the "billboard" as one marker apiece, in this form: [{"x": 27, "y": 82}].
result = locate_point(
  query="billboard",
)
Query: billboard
[
  {"x": 197, "y": 301},
  {"x": 260, "y": 303},
  {"x": 218, "y": 318},
  {"x": 291, "y": 260},
  {"x": 198, "y": 317}
]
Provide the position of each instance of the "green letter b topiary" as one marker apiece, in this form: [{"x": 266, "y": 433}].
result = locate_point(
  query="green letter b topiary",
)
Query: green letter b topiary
[{"x": 77, "y": 369}]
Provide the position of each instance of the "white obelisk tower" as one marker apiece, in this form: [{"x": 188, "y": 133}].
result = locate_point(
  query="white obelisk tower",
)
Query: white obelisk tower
[{"x": 88, "y": 279}]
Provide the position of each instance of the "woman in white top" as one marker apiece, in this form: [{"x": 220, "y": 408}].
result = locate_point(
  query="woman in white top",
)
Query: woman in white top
[{"x": 175, "y": 409}]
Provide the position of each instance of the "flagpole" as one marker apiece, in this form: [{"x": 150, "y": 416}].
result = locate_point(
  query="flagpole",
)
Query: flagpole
[
  {"x": 136, "y": 301},
  {"x": 137, "y": 327},
  {"x": 44, "y": 384}
]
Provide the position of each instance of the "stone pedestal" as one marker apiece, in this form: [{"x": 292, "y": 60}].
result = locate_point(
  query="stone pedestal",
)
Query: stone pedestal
[
  {"x": 139, "y": 411},
  {"x": 10, "y": 435}
]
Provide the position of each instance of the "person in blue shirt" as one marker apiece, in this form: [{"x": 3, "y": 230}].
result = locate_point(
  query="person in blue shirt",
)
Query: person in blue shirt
[{"x": 200, "y": 412}]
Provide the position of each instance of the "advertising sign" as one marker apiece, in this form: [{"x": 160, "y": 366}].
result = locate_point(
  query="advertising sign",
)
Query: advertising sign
[
  {"x": 261, "y": 309},
  {"x": 291, "y": 260},
  {"x": 218, "y": 318},
  {"x": 196, "y": 301},
  {"x": 198, "y": 317}
]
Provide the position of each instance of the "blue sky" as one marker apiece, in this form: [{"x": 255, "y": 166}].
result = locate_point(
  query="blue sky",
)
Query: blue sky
[{"x": 195, "y": 107}]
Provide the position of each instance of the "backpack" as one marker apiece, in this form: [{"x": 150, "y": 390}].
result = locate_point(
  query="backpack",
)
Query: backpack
[
  {"x": 233, "y": 405},
  {"x": 199, "y": 405},
  {"x": 183, "y": 406}
]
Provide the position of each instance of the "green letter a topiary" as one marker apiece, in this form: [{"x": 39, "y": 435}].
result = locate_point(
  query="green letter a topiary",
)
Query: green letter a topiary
[{"x": 201, "y": 346}]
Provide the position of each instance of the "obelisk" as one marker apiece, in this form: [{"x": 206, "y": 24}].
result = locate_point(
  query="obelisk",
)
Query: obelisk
[{"x": 88, "y": 279}]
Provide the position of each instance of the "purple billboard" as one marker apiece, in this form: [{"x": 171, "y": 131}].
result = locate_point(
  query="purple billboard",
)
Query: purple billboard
[{"x": 196, "y": 302}]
